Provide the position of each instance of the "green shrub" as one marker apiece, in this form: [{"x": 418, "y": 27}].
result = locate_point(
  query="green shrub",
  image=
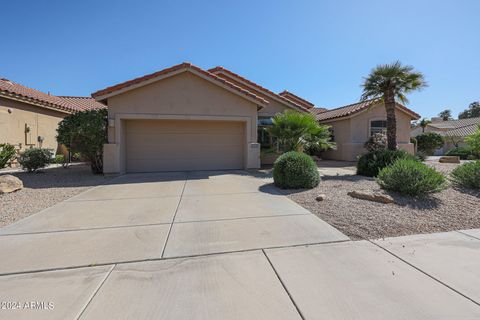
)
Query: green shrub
[
  {"x": 467, "y": 175},
  {"x": 473, "y": 142},
  {"x": 7, "y": 154},
  {"x": 410, "y": 177},
  {"x": 61, "y": 159},
  {"x": 371, "y": 163},
  {"x": 471, "y": 157},
  {"x": 295, "y": 170},
  {"x": 429, "y": 142},
  {"x": 35, "y": 158},
  {"x": 462, "y": 152}
]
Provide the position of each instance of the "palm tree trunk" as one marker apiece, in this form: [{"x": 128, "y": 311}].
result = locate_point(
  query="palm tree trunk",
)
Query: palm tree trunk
[{"x": 389, "y": 100}]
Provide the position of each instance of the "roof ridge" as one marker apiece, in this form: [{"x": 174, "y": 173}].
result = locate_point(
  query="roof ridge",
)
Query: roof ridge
[
  {"x": 297, "y": 97},
  {"x": 80, "y": 97},
  {"x": 260, "y": 87},
  {"x": 184, "y": 65},
  {"x": 352, "y": 104}
]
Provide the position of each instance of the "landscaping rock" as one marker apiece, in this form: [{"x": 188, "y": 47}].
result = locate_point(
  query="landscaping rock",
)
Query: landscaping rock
[
  {"x": 9, "y": 183},
  {"x": 449, "y": 159},
  {"x": 320, "y": 197},
  {"x": 371, "y": 196}
]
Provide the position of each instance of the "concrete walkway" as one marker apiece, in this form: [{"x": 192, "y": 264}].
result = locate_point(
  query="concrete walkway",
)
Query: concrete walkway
[{"x": 222, "y": 245}]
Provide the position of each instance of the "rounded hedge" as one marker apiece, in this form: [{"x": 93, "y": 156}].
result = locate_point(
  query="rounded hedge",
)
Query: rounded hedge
[
  {"x": 35, "y": 158},
  {"x": 410, "y": 177},
  {"x": 371, "y": 163},
  {"x": 467, "y": 175},
  {"x": 295, "y": 170}
]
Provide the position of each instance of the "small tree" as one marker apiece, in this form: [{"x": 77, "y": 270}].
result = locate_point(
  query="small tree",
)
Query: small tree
[
  {"x": 85, "y": 132},
  {"x": 446, "y": 115},
  {"x": 297, "y": 131},
  {"x": 473, "y": 111},
  {"x": 474, "y": 142},
  {"x": 428, "y": 142}
]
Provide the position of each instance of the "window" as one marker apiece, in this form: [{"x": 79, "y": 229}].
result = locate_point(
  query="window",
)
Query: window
[
  {"x": 378, "y": 126},
  {"x": 264, "y": 138}
]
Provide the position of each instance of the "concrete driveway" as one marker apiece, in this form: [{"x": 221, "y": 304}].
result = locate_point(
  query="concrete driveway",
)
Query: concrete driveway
[{"x": 216, "y": 245}]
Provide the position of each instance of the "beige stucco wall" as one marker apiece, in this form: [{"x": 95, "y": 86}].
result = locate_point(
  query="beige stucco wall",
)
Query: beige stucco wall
[
  {"x": 351, "y": 133},
  {"x": 41, "y": 121},
  {"x": 180, "y": 97}
]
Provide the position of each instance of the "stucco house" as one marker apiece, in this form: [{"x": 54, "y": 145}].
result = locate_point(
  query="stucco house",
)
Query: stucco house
[
  {"x": 352, "y": 126},
  {"x": 453, "y": 131},
  {"x": 188, "y": 118},
  {"x": 29, "y": 118}
]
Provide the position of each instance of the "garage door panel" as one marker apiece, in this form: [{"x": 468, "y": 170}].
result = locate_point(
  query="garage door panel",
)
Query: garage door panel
[
  {"x": 187, "y": 139},
  {"x": 166, "y": 145}
]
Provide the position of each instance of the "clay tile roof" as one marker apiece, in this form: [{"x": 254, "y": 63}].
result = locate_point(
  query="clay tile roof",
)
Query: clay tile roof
[
  {"x": 10, "y": 89},
  {"x": 290, "y": 96},
  {"x": 355, "y": 108},
  {"x": 457, "y": 128},
  {"x": 83, "y": 103},
  {"x": 219, "y": 69},
  {"x": 185, "y": 65},
  {"x": 317, "y": 110},
  {"x": 453, "y": 124},
  {"x": 462, "y": 131}
]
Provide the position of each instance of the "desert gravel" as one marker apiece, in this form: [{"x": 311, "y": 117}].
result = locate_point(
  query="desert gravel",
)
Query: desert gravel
[
  {"x": 44, "y": 189},
  {"x": 451, "y": 209}
]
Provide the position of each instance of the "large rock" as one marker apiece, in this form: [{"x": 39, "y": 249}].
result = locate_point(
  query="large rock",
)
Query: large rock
[
  {"x": 449, "y": 159},
  {"x": 371, "y": 196},
  {"x": 9, "y": 183}
]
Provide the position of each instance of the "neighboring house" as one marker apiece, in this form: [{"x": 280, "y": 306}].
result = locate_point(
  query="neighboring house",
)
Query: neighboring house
[
  {"x": 29, "y": 118},
  {"x": 453, "y": 131},
  {"x": 188, "y": 118},
  {"x": 352, "y": 126}
]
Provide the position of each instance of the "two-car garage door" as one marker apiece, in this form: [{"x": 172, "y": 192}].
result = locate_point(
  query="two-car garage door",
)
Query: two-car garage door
[{"x": 179, "y": 145}]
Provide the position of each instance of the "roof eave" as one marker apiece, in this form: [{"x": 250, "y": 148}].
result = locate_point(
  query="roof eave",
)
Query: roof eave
[
  {"x": 35, "y": 102},
  {"x": 184, "y": 68}
]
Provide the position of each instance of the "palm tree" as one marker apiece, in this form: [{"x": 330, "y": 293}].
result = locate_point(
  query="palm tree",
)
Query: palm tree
[
  {"x": 387, "y": 83},
  {"x": 424, "y": 123},
  {"x": 297, "y": 131}
]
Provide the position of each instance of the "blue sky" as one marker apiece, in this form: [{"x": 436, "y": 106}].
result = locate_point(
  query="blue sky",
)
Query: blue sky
[{"x": 319, "y": 50}]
